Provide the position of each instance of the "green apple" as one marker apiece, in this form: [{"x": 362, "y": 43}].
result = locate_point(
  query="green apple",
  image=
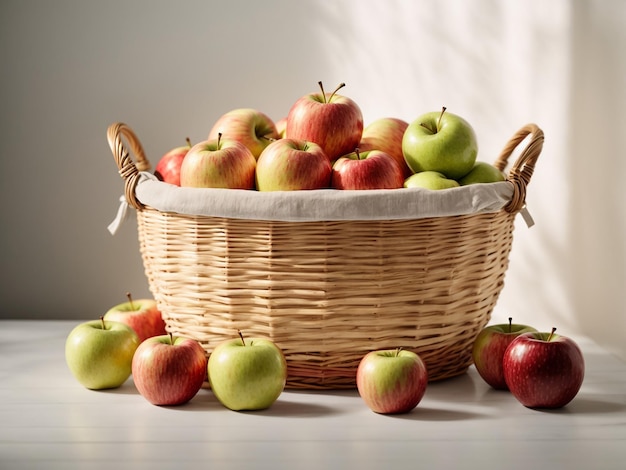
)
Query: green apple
[
  {"x": 482, "y": 172},
  {"x": 442, "y": 142},
  {"x": 430, "y": 180},
  {"x": 99, "y": 353},
  {"x": 247, "y": 374}
]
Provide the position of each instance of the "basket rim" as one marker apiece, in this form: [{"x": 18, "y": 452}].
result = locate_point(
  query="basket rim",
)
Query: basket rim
[
  {"x": 322, "y": 204},
  {"x": 519, "y": 175}
]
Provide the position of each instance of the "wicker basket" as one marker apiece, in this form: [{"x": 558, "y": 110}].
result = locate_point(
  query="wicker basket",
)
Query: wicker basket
[{"x": 327, "y": 292}]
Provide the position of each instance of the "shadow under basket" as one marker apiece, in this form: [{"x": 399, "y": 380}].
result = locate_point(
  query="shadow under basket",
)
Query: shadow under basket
[{"x": 329, "y": 291}]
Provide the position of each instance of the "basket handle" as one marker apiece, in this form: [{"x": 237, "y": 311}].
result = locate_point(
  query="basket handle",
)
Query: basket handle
[
  {"x": 523, "y": 168},
  {"x": 128, "y": 169}
]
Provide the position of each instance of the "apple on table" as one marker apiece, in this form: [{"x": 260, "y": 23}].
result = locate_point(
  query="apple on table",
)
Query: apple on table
[
  {"x": 142, "y": 315},
  {"x": 391, "y": 381},
  {"x": 489, "y": 347},
  {"x": 218, "y": 163},
  {"x": 371, "y": 169},
  {"x": 292, "y": 164},
  {"x": 543, "y": 370},
  {"x": 385, "y": 134},
  {"x": 168, "y": 167},
  {"x": 333, "y": 121},
  {"x": 99, "y": 353},
  {"x": 247, "y": 374},
  {"x": 249, "y": 126},
  {"x": 169, "y": 370},
  {"x": 441, "y": 142}
]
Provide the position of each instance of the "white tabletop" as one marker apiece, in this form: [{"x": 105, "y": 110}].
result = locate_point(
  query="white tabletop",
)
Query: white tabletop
[{"x": 47, "y": 420}]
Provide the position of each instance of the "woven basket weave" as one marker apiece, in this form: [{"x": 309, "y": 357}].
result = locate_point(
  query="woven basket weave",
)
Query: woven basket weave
[{"x": 327, "y": 292}]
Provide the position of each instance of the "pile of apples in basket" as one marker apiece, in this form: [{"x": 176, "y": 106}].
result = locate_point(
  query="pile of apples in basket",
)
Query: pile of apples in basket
[{"x": 320, "y": 144}]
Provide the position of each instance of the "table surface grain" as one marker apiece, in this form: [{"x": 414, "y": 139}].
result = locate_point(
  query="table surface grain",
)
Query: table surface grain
[{"x": 47, "y": 420}]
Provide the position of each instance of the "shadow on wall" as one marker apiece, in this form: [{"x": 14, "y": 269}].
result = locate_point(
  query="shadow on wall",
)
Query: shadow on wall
[{"x": 500, "y": 65}]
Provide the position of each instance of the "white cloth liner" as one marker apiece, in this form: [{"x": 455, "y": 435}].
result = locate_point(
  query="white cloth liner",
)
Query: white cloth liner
[{"x": 318, "y": 205}]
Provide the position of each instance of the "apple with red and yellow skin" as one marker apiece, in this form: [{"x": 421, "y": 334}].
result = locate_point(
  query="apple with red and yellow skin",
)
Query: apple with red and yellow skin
[
  {"x": 249, "y": 126},
  {"x": 99, "y": 353},
  {"x": 291, "y": 164},
  {"x": 489, "y": 347},
  {"x": 391, "y": 381},
  {"x": 169, "y": 370},
  {"x": 281, "y": 127},
  {"x": 371, "y": 169},
  {"x": 218, "y": 163},
  {"x": 168, "y": 167},
  {"x": 142, "y": 315},
  {"x": 543, "y": 370},
  {"x": 333, "y": 121},
  {"x": 385, "y": 134}
]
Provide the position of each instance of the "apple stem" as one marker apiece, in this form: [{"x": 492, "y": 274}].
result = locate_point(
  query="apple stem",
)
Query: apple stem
[
  {"x": 241, "y": 336},
  {"x": 322, "y": 88},
  {"x": 103, "y": 324},
  {"x": 188, "y": 140},
  {"x": 510, "y": 323},
  {"x": 443, "y": 110},
  {"x": 551, "y": 334},
  {"x": 398, "y": 351},
  {"x": 171, "y": 339},
  {"x": 358, "y": 153},
  {"x": 339, "y": 87},
  {"x": 219, "y": 140},
  {"x": 130, "y": 299}
]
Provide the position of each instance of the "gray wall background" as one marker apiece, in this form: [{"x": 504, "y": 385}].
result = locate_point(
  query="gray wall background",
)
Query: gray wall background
[{"x": 70, "y": 68}]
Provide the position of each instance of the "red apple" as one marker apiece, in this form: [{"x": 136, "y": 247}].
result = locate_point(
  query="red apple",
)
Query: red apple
[
  {"x": 386, "y": 134},
  {"x": 332, "y": 121},
  {"x": 218, "y": 163},
  {"x": 489, "y": 347},
  {"x": 169, "y": 370},
  {"x": 142, "y": 315},
  {"x": 391, "y": 381},
  {"x": 372, "y": 169},
  {"x": 168, "y": 168},
  {"x": 543, "y": 370},
  {"x": 290, "y": 164},
  {"x": 251, "y": 127}
]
